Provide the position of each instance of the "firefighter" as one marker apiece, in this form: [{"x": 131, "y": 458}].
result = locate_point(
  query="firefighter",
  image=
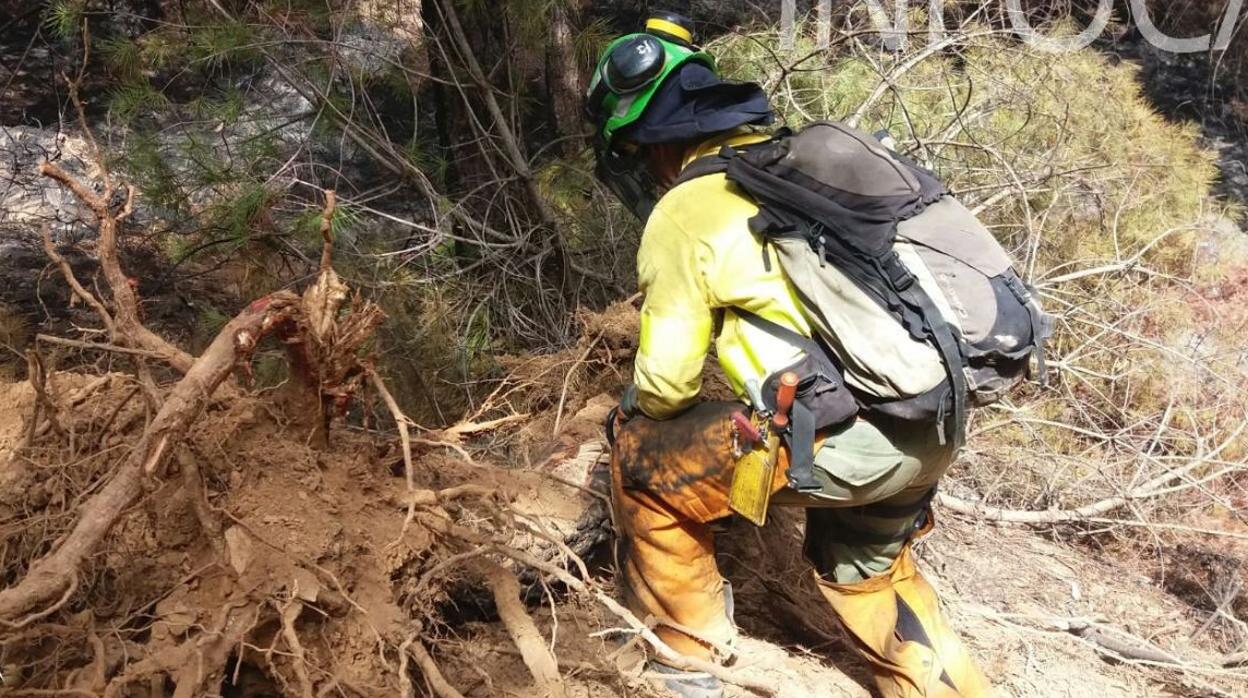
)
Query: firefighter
[{"x": 657, "y": 104}]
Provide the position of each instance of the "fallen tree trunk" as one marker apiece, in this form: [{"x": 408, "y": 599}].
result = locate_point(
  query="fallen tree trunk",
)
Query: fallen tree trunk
[{"x": 50, "y": 576}]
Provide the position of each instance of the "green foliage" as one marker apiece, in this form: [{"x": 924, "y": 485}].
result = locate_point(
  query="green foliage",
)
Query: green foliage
[
  {"x": 157, "y": 50},
  {"x": 994, "y": 117},
  {"x": 63, "y": 18},
  {"x": 424, "y": 156},
  {"x": 176, "y": 247},
  {"x": 211, "y": 321},
  {"x": 124, "y": 57},
  {"x": 224, "y": 107},
  {"x": 132, "y": 99},
  {"x": 150, "y": 171},
  {"x": 590, "y": 41},
  {"x": 214, "y": 46},
  {"x": 307, "y": 224},
  {"x": 237, "y": 215}
]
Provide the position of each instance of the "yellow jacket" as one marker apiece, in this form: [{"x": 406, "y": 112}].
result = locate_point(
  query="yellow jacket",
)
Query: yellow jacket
[{"x": 697, "y": 260}]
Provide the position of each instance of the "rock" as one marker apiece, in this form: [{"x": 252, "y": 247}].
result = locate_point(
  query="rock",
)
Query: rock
[
  {"x": 176, "y": 618},
  {"x": 238, "y": 548},
  {"x": 1221, "y": 244},
  {"x": 305, "y": 585},
  {"x": 28, "y": 199}
]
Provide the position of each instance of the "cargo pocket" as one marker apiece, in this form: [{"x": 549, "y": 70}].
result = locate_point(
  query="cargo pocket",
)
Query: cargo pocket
[
  {"x": 859, "y": 456},
  {"x": 859, "y": 469}
]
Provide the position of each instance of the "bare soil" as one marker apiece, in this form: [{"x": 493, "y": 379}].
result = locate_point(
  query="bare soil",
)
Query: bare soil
[{"x": 188, "y": 595}]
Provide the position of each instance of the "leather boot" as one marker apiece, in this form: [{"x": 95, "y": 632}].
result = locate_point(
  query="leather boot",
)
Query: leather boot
[{"x": 895, "y": 623}]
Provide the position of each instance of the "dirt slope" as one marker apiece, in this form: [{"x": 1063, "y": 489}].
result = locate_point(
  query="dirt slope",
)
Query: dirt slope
[
  {"x": 316, "y": 540},
  {"x": 1007, "y": 591}
]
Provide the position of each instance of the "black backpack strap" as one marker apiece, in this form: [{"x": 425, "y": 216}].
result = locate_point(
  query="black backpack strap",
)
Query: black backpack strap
[
  {"x": 714, "y": 164},
  {"x": 944, "y": 337},
  {"x": 797, "y": 339},
  {"x": 1041, "y": 324},
  {"x": 706, "y": 165},
  {"x": 801, "y": 434},
  {"x": 801, "y": 438}
]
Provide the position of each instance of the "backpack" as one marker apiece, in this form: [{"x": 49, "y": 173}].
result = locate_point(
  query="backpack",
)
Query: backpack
[{"x": 914, "y": 305}]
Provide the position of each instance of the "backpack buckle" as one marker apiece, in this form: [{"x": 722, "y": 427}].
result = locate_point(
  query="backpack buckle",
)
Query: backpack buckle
[
  {"x": 890, "y": 267},
  {"x": 903, "y": 279}
]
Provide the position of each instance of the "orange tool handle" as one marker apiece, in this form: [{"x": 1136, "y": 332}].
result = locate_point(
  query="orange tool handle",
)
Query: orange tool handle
[
  {"x": 746, "y": 428},
  {"x": 784, "y": 399}
]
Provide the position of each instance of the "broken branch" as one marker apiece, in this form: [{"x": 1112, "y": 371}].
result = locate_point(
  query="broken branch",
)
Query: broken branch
[
  {"x": 125, "y": 329},
  {"x": 68, "y": 273}
]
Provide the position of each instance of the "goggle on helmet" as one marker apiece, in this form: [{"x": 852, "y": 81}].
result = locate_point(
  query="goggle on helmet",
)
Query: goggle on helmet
[{"x": 633, "y": 67}]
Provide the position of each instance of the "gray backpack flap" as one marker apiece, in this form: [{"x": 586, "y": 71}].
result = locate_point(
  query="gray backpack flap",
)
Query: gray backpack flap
[
  {"x": 916, "y": 302},
  {"x": 973, "y": 282}
]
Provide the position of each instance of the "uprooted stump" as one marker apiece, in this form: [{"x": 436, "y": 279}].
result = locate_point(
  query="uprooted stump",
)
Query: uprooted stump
[
  {"x": 174, "y": 540},
  {"x": 257, "y": 555},
  {"x": 169, "y": 540},
  {"x": 52, "y": 575}
]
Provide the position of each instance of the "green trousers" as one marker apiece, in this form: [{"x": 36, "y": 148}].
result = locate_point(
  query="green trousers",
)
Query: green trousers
[{"x": 875, "y": 484}]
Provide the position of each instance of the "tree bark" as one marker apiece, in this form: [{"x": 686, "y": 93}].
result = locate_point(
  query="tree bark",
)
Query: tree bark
[
  {"x": 788, "y": 24},
  {"x": 823, "y": 25},
  {"x": 564, "y": 82}
]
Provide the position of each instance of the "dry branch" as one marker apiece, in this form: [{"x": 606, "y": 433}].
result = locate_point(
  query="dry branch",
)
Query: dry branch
[
  {"x": 1119, "y": 643},
  {"x": 124, "y": 326},
  {"x": 97, "y": 346},
  {"x": 1154, "y": 487},
  {"x": 50, "y": 575},
  {"x": 511, "y": 145},
  {"x": 327, "y": 230}
]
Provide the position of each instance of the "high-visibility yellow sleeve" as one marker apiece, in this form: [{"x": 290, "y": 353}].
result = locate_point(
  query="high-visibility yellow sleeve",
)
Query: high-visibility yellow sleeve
[{"x": 676, "y": 318}]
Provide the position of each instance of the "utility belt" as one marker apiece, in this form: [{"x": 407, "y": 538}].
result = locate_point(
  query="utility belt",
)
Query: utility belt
[
  {"x": 749, "y": 447},
  {"x": 756, "y": 444}
]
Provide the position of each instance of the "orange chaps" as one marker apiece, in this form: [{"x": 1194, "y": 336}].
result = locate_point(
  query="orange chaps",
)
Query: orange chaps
[{"x": 670, "y": 479}]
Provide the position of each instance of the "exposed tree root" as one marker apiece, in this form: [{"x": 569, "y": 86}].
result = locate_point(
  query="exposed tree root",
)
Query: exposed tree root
[
  {"x": 289, "y": 613},
  {"x": 635, "y": 625},
  {"x": 429, "y": 668},
  {"x": 524, "y": 632},
  {"x": 49, "y": 576}
]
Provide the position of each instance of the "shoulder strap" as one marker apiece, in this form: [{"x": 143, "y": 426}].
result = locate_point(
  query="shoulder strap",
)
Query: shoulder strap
[
  {"x": 1041, "y": 324},
  {"x": 708, "y": 164},
  {"x": 714, "y": 164},
  {"x": 801, "y": 341}
]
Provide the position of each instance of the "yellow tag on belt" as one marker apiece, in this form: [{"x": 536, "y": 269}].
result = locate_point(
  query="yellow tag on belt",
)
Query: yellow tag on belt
[{"x": 751, "y": 485}]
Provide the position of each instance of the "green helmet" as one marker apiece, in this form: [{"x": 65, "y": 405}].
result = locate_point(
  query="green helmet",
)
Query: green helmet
[{"x": 632, "y": 68}]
